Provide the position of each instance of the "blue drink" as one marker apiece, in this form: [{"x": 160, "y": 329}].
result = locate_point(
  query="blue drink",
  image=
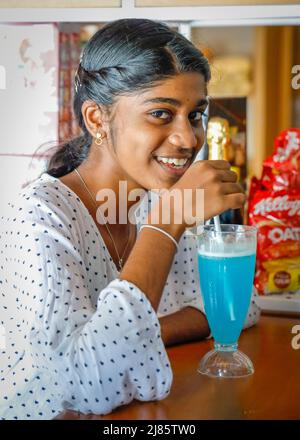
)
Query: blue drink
[
  {"x": 226, "y": 284},
  {"x": 226, "y": 259}
]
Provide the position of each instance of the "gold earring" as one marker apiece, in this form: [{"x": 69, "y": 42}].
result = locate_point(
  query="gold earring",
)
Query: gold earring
[{"x": 98, "y": 140}]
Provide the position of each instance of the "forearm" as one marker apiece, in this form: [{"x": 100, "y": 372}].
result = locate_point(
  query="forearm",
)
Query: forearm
[
  {"x": 186, "y": 325},
  {"x": 150, "y": 260}
]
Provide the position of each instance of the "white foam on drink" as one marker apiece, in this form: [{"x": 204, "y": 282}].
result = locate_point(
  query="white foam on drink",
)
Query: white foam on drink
[{"x": 228, "y": 251}]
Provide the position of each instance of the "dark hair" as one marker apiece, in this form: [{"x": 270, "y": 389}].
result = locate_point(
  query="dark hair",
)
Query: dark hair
[{"x": 121, "y": 58}]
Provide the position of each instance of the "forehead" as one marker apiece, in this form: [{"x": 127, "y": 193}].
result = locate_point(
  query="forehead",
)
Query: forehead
[{"x": 188, "y": 88}]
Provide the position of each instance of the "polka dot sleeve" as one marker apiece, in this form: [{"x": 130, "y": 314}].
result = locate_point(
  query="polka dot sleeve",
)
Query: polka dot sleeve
[
  {"x": 253, "y": 311},
  {"x": 98, "y": 352},
  {"x": 108, "y": 358}
]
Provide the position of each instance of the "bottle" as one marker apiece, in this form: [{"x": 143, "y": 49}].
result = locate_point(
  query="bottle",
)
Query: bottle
[{"x": 218, "y": 140}]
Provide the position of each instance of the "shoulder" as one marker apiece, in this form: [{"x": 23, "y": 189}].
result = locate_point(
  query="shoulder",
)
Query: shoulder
[
  {"x": 45, "y": 199},
  {"x": 47, "y": 193},
  {"x": 50, "y": 190}
]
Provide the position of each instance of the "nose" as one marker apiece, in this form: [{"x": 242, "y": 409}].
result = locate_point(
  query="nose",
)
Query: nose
[{"x": 184, "y": 135}]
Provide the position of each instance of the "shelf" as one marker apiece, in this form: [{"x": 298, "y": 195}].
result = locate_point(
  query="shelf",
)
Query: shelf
[{"x": 280, "y": 303}]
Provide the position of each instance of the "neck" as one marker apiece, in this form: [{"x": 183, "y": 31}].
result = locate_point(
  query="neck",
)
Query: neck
[{"x": 114, "y": 184}]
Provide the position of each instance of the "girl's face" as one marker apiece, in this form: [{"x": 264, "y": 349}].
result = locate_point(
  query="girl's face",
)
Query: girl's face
[{"x": 158, "y": 132}]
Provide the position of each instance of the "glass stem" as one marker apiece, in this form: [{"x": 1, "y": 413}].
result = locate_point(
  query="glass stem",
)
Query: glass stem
[{"x": 226, "y": 347}]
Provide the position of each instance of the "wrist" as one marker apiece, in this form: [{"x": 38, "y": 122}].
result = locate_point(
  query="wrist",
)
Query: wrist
[
  {"x": 173, "y": 229},
  {"x": 161, "y": 231},
  {"x": 165, "y": 220}
]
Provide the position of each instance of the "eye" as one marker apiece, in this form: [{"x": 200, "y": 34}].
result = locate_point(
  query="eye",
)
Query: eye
[
  {"x": 197, "y": 115},
  {"x": 160, "y": 114},
  {"x": 166, "y": 115}
]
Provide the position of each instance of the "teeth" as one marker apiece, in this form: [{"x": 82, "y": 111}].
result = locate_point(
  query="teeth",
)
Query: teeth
[{"x": 173, "y": 161}]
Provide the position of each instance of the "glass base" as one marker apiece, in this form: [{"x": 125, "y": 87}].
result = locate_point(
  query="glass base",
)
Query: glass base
[{"x": 226, "y": 361}]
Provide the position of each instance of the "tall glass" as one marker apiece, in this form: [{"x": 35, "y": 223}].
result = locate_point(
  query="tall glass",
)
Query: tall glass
[{"x": 226, "y": 261}]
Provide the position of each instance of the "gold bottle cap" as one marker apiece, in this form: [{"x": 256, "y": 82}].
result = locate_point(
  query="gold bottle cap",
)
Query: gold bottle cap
[{"x": 218, "y": 138}]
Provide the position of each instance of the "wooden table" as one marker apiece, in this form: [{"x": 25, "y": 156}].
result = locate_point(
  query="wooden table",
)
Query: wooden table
[{"x": 273, "y": 392}]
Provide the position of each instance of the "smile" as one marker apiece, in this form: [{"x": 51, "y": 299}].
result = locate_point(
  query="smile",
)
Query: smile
[{"x": 173, "y": 165}]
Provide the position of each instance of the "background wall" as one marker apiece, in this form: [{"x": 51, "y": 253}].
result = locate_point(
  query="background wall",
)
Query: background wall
[{"x": 28, "y": 100}]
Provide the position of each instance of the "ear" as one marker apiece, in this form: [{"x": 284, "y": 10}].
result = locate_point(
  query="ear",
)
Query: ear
[{"x": 93, "y": 117}]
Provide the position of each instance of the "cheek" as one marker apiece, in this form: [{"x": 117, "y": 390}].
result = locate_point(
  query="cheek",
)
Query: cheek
[
  {"x": 141, "y": 145},
  {"x": 135, "y": 156}
]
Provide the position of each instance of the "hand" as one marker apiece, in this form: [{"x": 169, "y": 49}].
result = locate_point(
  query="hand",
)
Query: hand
[{"x": 221, "y": 190}]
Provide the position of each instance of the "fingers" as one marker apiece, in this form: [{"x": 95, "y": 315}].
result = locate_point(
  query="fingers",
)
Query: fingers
[
  {"x": 227, "y": 176},
  {"x": 216, "y": 164},
  {"x": 234, "y": 201},
  {"x": 231, "y": 188},
  {"x": 219, "y": 164}
]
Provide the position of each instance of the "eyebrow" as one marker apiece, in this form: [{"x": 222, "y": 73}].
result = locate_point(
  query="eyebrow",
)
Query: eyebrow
[{"x": 173, "y": 101}]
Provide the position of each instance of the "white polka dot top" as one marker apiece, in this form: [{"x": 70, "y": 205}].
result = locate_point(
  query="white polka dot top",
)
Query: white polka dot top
[{"x": 76, "y": 336}]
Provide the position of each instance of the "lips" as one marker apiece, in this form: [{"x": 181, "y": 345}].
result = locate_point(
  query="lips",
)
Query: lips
[
  {"x": 172, "y": 169},
  {"x": 174, "y": 161}
]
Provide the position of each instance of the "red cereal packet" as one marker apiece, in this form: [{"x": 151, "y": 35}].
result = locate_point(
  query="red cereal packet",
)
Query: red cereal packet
[
  {"x": 274, "y": 208},
  {"x": 282, "y": 169}
]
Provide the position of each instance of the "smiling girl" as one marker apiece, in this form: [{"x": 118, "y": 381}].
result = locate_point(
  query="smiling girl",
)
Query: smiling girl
[{"x": 89, "y": 307}]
